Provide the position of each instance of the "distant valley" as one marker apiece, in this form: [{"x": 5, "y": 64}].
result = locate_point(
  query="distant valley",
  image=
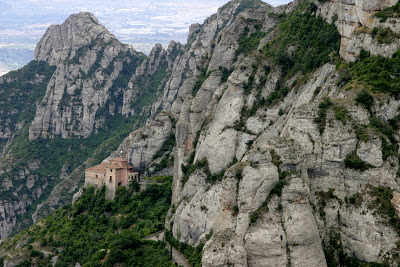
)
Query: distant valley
[
  {"x": 264, "y": 121},
  {"x": 141, "y": 24},
  {"x": 14, "y": 58}
]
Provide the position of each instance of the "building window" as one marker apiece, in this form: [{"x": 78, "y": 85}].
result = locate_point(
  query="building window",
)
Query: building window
[
  {"x": 97, "y": 176},
  {"x": 110, "y": 179},
  {"x": 119, "y": 184},
  {"x": 110, "y": 170}
]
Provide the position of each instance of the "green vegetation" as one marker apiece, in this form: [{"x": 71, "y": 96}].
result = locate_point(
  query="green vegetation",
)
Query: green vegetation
[
  {"x": 166, "y": 161},
  {"x": 225, "y": 73},
  {"x": 250, "y": 43},
  {"x": 244, "y": 5},
  {"x": 276, "y": 159},
  {"x": 23, "y": 93},
  {"x": 383, "y": 205},
  {"x": 384, "y": 35},
  {"x": 322, "y": 113},
  {"x": 344, "y": 77},
  {"x": 378, "y": 73},
  {"x": 324, "y": 198},
  {"x": 19, "y": 96},
  {"x": 200, "y": 79},
  {"x": 352, "y": 161},
  {"x": 247, "y": 86},
  {"x": 95, "y": 231},
  {"x": 341, "y": 114},
  {"x": 389, "y": 12},
  {"x": 166, "y": 152},
  {"x": 365, "y": 99},
  {"x": 158, "y": 178},
  {"x": 130, "y": 61},
  {"x": 387, "y": 131},
  {"x": 356, "y": 199},
  {"x": 53, "y": 154},
  {"x": 99, "y": 56},
  {"x": 378, "y": 199},
  {"x": 336, "y": 256},
  {"x": 188, "y": 169},
  {"x": 279, "y": 93},
  {"x": 303, "y": 43},
  {"x": 312, "y": 41},
  {"x": 276, "y": 191},
  {"x": 168, "y": 145},
  {"x": 82, "y": 52},
  {"x": 192, "y": 254},
  {"x": 150, "y": 87},
  {"x": 362, "y": 132},
  {"x": 248, "y": 4}
]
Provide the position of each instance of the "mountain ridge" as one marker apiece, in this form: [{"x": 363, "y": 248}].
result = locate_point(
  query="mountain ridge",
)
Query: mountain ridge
[
  {"x": 100, "y": 92},
  {"x": 267, "y": 127}
]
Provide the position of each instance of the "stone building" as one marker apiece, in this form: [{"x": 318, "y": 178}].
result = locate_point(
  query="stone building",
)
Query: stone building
[{"x": 117, "y": 172}]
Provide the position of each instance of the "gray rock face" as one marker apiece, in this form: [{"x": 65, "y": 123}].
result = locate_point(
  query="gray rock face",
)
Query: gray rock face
[
  {"x": 290, "y": 229},
  {"x": 158, "y": 63},
  {"x": 11, "y": 207},
  {"x": 96, "y": 80},
  {"x": 82, "y": 50},
  {"x": 88, "y": 82},
  {"x": 60, "y": 40},
  {"x": 8, "y": 214},
  {"x": 249, "y": 221},
  {"x": 275, "y": 189},
  {"x": 355, "y": 20},
  {"x": 142, "y": 145}
]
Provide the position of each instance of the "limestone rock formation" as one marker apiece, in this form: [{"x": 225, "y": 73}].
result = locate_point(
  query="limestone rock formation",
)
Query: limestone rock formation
[
  {"x": 283, "y": 154},
  {"x": 141, "y": 146},
  {"x": 60, "y": 41},
  {"x": 91, "y": 79},
  {"x": 82, "y": 82},
  {"x": 356, "y": 20},
  {"x": 275, "y": 188}
]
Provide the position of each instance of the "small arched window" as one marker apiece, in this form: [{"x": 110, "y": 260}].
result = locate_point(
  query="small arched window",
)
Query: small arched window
[{"x": 110, "y": 179}]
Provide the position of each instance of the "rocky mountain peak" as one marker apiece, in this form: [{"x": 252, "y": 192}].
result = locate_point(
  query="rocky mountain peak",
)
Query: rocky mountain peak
[
  {"x": 260, "y": 118},
  {"x": 96, "y": 75},
  {"x": 245, "y": 4},
  {"x": 60, "y": 41}
]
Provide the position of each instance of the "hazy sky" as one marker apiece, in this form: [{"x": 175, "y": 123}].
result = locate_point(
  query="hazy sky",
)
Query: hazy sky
[
  {"x": 133, "y": 21},
  {"x": 137, "y": 22}
]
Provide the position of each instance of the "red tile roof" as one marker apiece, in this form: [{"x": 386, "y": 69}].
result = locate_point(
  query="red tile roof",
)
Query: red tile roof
[
  {"x": 98, "y": 168},
  {"x": 118, "y": 163},
  {"x": 119, "y": 159}
]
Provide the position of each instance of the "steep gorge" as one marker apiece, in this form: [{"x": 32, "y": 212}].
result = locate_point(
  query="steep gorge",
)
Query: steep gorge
[
  {"x": 280, "y": 126},
  {"x": 279, "y": 158},
  {"x": 69, "y": 109}
]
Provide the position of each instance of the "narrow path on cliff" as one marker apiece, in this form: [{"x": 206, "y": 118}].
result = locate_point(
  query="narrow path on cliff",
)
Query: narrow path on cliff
[{"x": 177, "y": 257}]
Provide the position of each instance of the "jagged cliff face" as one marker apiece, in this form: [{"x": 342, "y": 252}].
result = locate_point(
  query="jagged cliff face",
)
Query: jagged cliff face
[
  {"x": 90, "y": 81},
  {"x": 76, "y": 102},
  {"x": 279, "y": 156},
  {"x": 270, "y": 183},
  {"x": 355, "y": 21}
]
